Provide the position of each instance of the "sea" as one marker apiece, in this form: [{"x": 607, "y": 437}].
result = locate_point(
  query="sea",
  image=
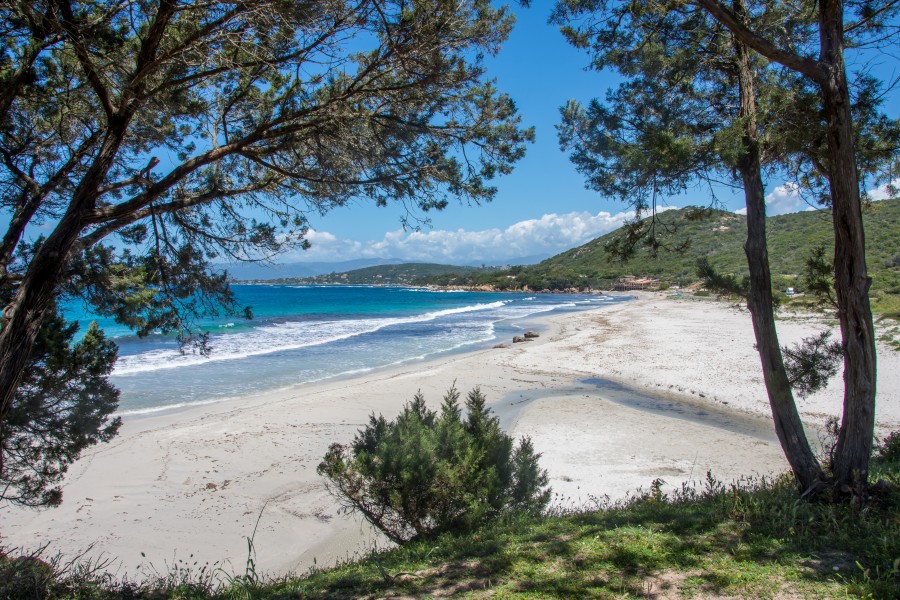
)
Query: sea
[{"x": 309, "y": 333}]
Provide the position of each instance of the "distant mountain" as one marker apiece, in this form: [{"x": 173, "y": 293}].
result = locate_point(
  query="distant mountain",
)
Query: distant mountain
[
  {"x": 257, "y": 271},
  {"x": 299, "y": 270},
  {"x": 402, "y": 274}
]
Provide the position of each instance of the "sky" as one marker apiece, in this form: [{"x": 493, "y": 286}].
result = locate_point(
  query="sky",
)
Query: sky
[{"x": 542, "y": 208}]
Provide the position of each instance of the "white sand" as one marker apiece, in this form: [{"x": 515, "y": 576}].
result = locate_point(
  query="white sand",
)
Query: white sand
[{"x": 190, "y": 484}]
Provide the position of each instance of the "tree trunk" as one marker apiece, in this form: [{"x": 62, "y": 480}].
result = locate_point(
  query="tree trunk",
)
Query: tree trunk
[
  {"x": 854, "y": 446},
  {"x": 20, "y": 219},
  {"x": 22, "y": 317},
  {"x": 788, "y": 425}
]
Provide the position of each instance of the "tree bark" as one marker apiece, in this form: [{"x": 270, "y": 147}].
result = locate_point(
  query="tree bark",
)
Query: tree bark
[
  {"x": 22, "y": 317},
  {"x": 854, "y": 446},
  {"x": 788, "y": 426},
  {"x": 20, "y": 219}
]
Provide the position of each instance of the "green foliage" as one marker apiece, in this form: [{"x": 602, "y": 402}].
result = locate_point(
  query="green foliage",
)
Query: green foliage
[
  {"x": 427, "y": 473},
  {"x": 888, "y": 450},
  {"x": 61, "y": 408},
  {"x": 158, "y": 291},
  {"x": 818, "y": 277},
  {"x": 723, "y": 284},
  {"x": 811, "y": 363}
]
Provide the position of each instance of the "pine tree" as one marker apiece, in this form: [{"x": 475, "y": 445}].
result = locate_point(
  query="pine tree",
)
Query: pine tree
[{"x": 425, "y": 473}]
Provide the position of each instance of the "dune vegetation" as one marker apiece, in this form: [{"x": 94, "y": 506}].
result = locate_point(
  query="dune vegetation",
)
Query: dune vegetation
[{"x": 751, "y": 539}]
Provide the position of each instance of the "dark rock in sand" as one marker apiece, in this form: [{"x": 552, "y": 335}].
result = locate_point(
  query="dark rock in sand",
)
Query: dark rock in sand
[{"x": 531, "y": 334}]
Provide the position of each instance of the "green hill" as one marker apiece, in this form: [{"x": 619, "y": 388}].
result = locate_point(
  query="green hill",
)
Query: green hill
[
  {"x": 403, "y": 274},
  {"x": 718, "y": 237}
]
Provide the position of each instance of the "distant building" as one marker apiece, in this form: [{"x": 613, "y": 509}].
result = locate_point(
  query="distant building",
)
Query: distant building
[{"x": 630, "y": 283}]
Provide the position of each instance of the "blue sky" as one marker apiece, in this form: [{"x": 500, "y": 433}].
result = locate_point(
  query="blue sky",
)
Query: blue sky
[
  {"x": 540, "y": 71},
  {"x": 542, "y": 208}
]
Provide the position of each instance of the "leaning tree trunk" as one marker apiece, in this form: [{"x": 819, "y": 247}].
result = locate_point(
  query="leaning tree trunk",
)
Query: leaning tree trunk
[
  {"x": 22, "y": 318},
  {"x": 854, "y": 445},
  {"x": 788, "y": 426}
]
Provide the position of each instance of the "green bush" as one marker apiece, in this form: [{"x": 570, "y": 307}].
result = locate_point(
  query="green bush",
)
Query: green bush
[
  {"x": 427, "y": 473},
  {"x": 888, "y": 450}
]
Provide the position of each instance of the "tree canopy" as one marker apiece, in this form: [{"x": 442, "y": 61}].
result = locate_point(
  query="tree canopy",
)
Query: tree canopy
[
  {"x": 145, "y": 139},
  {"x": 699, "y": 103}
]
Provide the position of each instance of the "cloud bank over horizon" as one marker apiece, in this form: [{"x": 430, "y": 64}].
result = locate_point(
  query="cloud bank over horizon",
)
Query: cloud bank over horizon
[{"x": 550, "y": 234}]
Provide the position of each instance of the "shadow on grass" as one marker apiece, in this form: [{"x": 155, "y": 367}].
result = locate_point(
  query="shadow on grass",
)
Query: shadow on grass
[{"x": 755, "y": 540}]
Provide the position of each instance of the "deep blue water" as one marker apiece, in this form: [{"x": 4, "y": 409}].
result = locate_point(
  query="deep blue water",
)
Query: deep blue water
[{"x": 304, "y": 333}]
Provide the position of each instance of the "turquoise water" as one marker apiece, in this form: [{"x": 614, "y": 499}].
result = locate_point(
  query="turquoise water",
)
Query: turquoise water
[{"x": 304, "y": 333}]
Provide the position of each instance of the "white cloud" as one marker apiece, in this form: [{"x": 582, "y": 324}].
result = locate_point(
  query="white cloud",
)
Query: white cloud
[
  {"x": 785, "y": 198},
  {"x": 886, "y": 191},
  {"x": 550, "y": 234},
  {"x": 320, "y": 237}
]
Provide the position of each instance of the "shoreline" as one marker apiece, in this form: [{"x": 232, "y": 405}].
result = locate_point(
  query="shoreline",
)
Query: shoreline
[{"x": 191, "y": 482}]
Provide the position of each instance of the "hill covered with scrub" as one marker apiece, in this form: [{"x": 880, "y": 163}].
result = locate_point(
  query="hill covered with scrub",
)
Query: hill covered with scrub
[{"x": 718, "y": 236}]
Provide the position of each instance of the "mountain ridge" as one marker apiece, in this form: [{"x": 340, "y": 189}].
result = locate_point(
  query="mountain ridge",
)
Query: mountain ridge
[{"x": 719, "y": 237}]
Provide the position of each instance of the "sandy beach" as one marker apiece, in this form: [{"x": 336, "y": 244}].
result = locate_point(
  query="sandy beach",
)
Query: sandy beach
[{"x": 613, "y": 398}]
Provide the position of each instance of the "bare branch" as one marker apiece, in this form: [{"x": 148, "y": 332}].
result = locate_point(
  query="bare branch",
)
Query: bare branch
[
  {"x": 74, "y": 33},
  {"x": 807, "y": 66}
]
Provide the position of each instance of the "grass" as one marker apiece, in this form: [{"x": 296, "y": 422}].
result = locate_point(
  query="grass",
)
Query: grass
[{"x": 751, "y": 540}]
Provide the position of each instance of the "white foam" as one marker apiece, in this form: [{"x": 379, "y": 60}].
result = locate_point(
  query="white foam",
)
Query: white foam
[{"x": 278, "y": 338}]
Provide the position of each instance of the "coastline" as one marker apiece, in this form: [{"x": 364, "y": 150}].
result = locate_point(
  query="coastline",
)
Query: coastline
[{"x": 190, "y": 483}]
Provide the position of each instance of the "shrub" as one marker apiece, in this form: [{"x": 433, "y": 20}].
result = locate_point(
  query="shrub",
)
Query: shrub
[
  {"x": 427, "y": 473},
  {"x": 888, "y": 450}
]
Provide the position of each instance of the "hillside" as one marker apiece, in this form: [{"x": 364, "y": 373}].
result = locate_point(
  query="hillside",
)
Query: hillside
[
  {"x": 402, "y": 274},
  {"x": 720, "y": 238}
]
